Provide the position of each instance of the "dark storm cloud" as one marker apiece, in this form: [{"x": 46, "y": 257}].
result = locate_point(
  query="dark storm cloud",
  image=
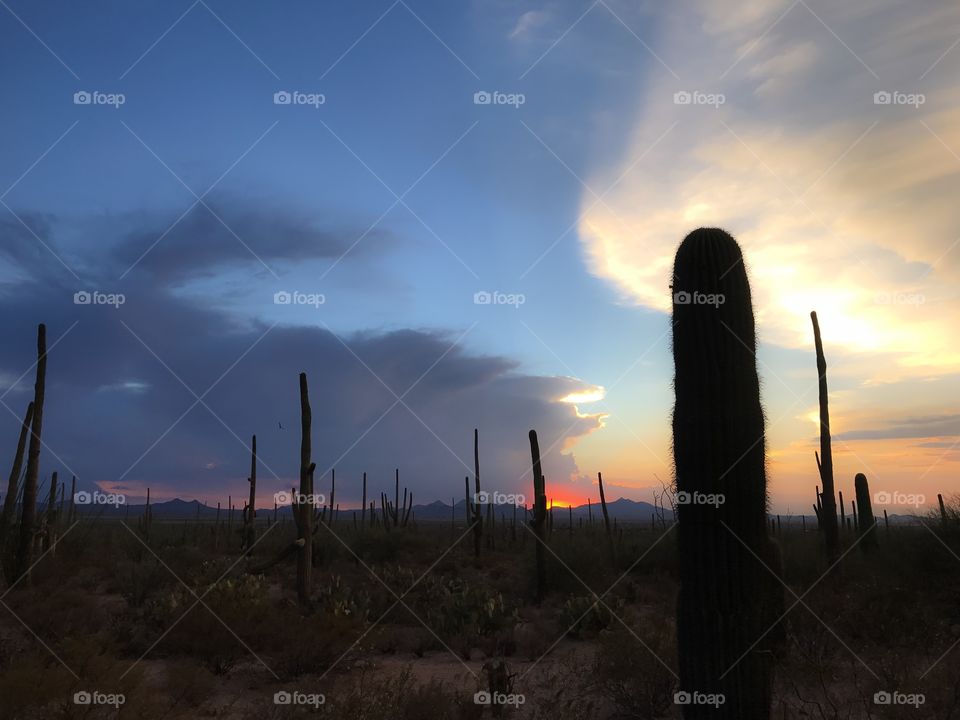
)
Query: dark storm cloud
[
  {"x": 223, "y": 232},
  {"x": 122, "y": 381}
]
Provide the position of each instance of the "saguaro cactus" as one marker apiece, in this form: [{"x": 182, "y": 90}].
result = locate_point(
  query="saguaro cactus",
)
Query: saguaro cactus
[
  {"x": 29, "y": 501},
  {"x": 250, "y": 512},
  {"x": 477, "y": 515},
  {"x": 728, "y": 597},
  {"x": 865, "y": 520},
  {"x": 829, "y": 511},
  {"x": 13, "y": 483},
  {"x": 539, "y": 515},
  {"x": 606, "y": 520},
  {"x": 303, "y": 511}
]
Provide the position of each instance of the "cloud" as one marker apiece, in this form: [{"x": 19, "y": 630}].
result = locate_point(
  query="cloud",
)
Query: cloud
[
  {"x": 166, "y": 390},
  {"x": 842, "y": 205},
  {"x": 920, "y": 427},
  {"x": 528, "y": 23}
]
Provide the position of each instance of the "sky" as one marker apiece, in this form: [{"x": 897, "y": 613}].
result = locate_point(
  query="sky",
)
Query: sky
[{"x": 387, "y": 167}]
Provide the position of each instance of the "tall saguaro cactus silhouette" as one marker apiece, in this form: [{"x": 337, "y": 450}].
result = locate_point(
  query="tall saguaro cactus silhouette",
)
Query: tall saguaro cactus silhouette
[
  {"x": 829, "y": 510},
  {"x": 13, "y": 483},
  {"x": 250, "y": 512},
  {"x": 866, "y": 522},
  {"x": 729, "y": 597},
  {"x": 303, "y": 510},
  {"x": 29, "y": 501},
  {"x": 539, "y": 514}
]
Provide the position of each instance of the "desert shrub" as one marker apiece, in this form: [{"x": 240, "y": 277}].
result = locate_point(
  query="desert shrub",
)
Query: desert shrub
[
  {"x": 209, "y": 630},
  {"x": 583, "y": 615},
  {"x": 372, "y": 696},
  {"x": 139, "y": 581},
  {"x": 337, "y": 598},
  {"x": 637, "y": 680},
  {"x": 314, "y": 643}
]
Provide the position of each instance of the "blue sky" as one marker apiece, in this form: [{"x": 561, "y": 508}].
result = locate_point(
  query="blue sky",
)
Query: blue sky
[{"x": 398, "y": 198}]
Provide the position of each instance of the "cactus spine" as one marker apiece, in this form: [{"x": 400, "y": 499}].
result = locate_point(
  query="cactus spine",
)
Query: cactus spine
[{"x": 728, "y": 598}]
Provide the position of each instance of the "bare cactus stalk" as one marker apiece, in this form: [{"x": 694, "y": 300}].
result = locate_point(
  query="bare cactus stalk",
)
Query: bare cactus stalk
[
  {"x": 72, "y": 512},
  {"x": 539, "y": 515},
  {"x": 250, "y": 511},
  {"x": 50, "y": 521},
  {"x": 363, "y": 504},
  {"x": 866, "y": 522},
  {"x": 477, "y": 516},
  {"x": 303, "y": 512},
  {"x": 829, "y": 512},
  {"x": 29, "y": 500},
  {"x": 886, "y": 520},
  {"x": 606, "y": 520},
  {"x": 10, "y": 500},
  {"x": 943, "y": 510},
  {"x": 843, "y": 516}
]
